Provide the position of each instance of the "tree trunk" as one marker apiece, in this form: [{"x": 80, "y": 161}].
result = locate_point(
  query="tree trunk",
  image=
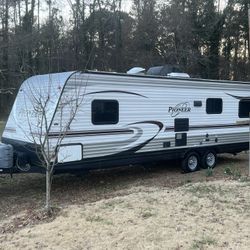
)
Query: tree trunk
[
  {"x": 5, "y": 55},
  {"x": 118, "y": 39},
  {"x": 19, "y": 12},
  {"x": 48, "y": 190},
  {"x": 32, "y": 11},
  {"x": 235, "y": 60},
  {"x": 38, "y": 15},
  {"x": 26, "y": 7},
  {"x": 249, "y": 31}
]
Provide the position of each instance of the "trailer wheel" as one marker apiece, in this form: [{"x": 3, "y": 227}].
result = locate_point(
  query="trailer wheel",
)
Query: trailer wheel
[
  {"x": 209, "y": 159},
  {"x": 191, "y": 162}
]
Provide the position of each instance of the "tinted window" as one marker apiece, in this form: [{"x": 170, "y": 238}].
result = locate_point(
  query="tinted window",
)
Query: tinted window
[
  {"x": 105, "y": 112},
  {"x": 214, "y": 106},
  {"x": 244, "y": 108}
]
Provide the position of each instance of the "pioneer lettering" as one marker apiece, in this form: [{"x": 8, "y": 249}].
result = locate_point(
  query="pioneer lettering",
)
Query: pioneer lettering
[{"x": 179, "y": 108}]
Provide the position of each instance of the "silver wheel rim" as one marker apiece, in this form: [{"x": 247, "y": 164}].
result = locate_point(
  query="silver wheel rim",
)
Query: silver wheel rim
[
  {"x": 192, "y": 162},
  {"x": 210, "y": 159}
]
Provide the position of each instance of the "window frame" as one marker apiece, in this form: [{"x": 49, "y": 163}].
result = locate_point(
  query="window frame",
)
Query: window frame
[
  {"x": 105, "y": 122},
  {"x": 214, "y": 113}
]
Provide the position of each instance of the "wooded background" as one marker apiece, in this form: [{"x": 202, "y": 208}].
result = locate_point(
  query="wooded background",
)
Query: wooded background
[{"x": 39, "y": 36}]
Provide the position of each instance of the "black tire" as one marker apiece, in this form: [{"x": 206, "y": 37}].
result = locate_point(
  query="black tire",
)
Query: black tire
[
  {"x": 191, "y": 162},
  {"x": 209, "y": 159}
]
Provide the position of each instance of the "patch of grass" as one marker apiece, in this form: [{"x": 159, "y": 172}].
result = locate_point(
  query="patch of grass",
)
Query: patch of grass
[
  {"x": 192, "y": 203},
  {"x": 111, "y": 204},
  {"x": 228, "y": 171},
  {"x": 187, "y": 181},
  {"x": 204, "y": 241},
  {"x": 209, "y": 172},
  {"x": 94, "y": 218},
  {"x": 202, "y": 190},
  {"x": 233, "y": 172},
  {"x": 147, "y": 213},
  {"x": 98, "y": 219},
  {"x": 151, "y": 200},
  {"x": 245, "y": 179}
]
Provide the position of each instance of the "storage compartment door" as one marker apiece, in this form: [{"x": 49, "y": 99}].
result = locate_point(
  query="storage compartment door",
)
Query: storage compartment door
[
  {"x": 70, "y": 153},
  {"x": 180, "y": 139}
]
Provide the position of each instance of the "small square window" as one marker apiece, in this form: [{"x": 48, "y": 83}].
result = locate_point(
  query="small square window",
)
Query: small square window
[
  {"x": 214, "y": 106},
  {"x": 197, "y": 103},
  {"x": 105, "y": 112}
]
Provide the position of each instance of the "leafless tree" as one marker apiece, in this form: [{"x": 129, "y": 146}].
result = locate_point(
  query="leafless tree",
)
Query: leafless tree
[{"x": 39, "y": 111}]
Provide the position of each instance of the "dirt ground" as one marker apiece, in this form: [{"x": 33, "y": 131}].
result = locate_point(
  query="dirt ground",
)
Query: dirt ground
[
  {"x": 131, "y": 208},
  {"x": 211, "y": 215}
]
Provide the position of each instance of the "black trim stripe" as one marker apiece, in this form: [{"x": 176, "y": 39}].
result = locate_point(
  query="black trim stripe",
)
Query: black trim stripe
[
  {"x": 130, "y": 131},
  {"x": 91, "y": 133},
  {"x": 220, "y": 126},
  {"x": 159, "y": 124},
  {"x": 105, "y": 132},
  {"x": 217, "y": 126}
]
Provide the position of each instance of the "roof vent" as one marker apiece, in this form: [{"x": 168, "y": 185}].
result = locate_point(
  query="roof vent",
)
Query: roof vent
[
  {"x": 167, "y": 70},
  {"x": 136, "y": 70}
]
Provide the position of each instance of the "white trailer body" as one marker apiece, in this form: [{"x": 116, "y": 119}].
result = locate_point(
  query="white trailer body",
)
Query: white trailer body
[{"x": 127, "y": 119}]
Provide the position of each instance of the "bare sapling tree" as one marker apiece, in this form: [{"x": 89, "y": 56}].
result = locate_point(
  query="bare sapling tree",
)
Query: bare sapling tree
[{"x": 46, "y": 104}]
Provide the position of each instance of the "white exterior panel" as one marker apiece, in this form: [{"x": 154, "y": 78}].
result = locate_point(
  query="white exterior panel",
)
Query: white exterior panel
[{"x": 24, "y": 118}]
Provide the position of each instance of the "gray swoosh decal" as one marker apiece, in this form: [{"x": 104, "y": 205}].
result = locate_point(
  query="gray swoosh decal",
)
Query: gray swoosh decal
[
  {"x": 116, "y": 91},
  {"x": 239, "y": 97}
]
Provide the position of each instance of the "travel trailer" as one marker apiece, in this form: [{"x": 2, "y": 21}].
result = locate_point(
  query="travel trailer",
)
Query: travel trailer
[{"x": 127, "y": 119}]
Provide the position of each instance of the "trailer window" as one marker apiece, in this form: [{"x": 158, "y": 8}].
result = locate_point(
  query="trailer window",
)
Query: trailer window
[
  {"x": 244, "y": 108},
  {"x": 105, "y": 112},
  {"x": 214, "y": 106}
]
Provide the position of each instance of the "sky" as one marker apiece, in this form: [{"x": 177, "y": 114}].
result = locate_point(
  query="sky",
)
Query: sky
[
  {"x": 127, "y": 4},
  {"x": 65, "y": 6}
]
